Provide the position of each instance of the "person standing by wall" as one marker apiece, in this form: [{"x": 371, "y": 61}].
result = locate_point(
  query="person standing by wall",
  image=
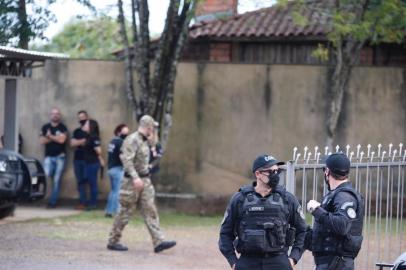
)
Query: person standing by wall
[
  {"x": 54, "y": 135},
  {"x": 78, "y": 142},
  {"x": 115, "y": 167},
  {"x": 93, "y": 160}
]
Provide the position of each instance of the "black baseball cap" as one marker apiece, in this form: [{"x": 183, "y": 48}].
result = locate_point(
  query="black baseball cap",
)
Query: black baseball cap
[
  {"x": 265, "y": 161},
  {"x": 338, "y": 163}
]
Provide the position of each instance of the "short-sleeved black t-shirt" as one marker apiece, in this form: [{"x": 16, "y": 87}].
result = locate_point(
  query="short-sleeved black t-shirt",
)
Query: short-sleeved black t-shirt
[
  {"x": 89, "y": 154},
  {"x": 114, "y": 152},
  {"x": 79, "y": 134},
  {"x": 54, "y": 149}
]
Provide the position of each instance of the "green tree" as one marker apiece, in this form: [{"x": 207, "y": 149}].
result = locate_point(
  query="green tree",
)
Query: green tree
[
  {"x": 92, "y": 38},
  {"x": 18, "y": 27},
  {"x": 354, "y": 24}
]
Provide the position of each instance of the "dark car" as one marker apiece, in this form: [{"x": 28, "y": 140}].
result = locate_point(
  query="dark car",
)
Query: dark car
[{"x": 21, "y": 179}]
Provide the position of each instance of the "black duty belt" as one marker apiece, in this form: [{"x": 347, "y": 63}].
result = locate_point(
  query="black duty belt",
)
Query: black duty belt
[
  {"x": 141, "y": 175},
  {"x": 263, "y": 255}
]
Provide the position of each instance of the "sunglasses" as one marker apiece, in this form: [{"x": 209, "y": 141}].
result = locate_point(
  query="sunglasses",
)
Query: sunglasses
[{"x": 271, "y": 172}]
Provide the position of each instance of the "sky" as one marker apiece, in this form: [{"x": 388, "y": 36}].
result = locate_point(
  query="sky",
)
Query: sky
[{"x": 65, "y": 10}]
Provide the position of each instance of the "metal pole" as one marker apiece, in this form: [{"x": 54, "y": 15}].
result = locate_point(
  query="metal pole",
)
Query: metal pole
[
  {"x": 378, "y": 174},
  {"x": 11, "y": 116},
  {"x": 290, "y": 176},
  {"x": 366, "y": 218}
]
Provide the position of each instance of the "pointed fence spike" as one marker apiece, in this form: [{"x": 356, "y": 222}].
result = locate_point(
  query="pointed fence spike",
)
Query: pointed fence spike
[
  {"x": 390, "y": 149},
  {"x": 383, "y": 155},
  {"x": 379, "y": 149},
  {"x": 305, "y": 152},
  {"x": 297, "y": 157},
  {"x": 318, "y": 157},
  {"x": 394, "y": 154},
  {"x": 294, "y": 152}
]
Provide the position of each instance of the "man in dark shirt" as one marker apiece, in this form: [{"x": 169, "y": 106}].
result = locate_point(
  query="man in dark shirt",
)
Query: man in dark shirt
[
  {"x": 77, "y": 142},
  {"x": 262, "y": 221},
  {"x": 53, "y": 136}
]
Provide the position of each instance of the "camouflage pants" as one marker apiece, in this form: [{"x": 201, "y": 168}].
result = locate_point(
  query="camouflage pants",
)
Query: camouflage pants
[{"x": 144, "y": 201}]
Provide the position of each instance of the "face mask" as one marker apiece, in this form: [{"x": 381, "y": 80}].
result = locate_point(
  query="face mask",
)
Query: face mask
[
  {"x": 82, "y": 122},
  {"x": 123, "y": 136},
  {"x": 273, "y": 180}
]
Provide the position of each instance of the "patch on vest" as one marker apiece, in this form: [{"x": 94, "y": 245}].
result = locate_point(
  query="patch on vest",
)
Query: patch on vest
[
  {"x": 225, "y": 217},
  {"x": 351, "y": 213},
  {"x": 347, "y": 204},
  {"x": 300, "y": 212},
  {"x": 256, "y": 209}
]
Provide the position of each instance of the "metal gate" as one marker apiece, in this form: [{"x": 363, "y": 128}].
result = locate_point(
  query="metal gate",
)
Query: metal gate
[{"x": 378, "y": 173}]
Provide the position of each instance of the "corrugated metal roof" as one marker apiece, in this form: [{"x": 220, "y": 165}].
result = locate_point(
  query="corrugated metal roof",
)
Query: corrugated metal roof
[
  {"x": 275, "y": 21},
  {"x": 9, "y": 52}
]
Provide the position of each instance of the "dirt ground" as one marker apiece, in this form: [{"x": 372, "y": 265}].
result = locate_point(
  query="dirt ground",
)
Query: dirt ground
[
  {"x": 79, "y": 242},
  {"x": 61, "y": 243}
]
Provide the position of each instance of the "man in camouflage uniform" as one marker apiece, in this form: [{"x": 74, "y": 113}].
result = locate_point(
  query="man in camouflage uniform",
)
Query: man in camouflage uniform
[{"x": 136, "y": 188}]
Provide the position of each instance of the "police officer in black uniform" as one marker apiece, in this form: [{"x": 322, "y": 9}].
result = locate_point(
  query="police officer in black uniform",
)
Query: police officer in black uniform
[
  {"x": 337, "y": 231},
  {"x": 261, "y": 221}
]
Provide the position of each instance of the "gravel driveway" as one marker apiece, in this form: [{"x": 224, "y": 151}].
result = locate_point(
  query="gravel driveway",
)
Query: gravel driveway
[{"x": 66, "y": 243}]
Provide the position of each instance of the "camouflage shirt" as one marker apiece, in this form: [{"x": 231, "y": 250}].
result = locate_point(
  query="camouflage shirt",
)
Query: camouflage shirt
[{"x": 135, "y": 155}]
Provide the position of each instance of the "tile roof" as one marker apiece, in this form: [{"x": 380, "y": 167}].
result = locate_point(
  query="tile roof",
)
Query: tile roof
[{"x": 272, "y": 22}]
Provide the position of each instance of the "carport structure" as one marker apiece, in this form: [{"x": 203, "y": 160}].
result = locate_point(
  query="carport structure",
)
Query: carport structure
[{"x": 14, "y": 64}]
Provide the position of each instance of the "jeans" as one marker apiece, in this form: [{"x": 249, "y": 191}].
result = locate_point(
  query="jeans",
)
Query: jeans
[
  {"x": 53, "y": 167},
  {"x": 79, "y": 169},
  {"x": 115, "y": 175},
  {"x": 91, "y": 177}
]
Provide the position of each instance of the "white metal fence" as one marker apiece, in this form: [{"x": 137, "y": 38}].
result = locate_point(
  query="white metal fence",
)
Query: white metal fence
[{"x": 376, "y": 172}]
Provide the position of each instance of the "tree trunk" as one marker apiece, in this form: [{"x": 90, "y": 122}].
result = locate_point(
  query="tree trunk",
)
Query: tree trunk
[
  {"x": 127, "y": 61},
  {"x": 347, "y": 55},
  {"x": 156, "y": 94},
  {"x": 167, "y": 118},
  {"x": 143, "y": 53},
  {"x": 348, "y": 50},
  {"x": 24, "y": 33},
  {"x": 168, "y": 57}
]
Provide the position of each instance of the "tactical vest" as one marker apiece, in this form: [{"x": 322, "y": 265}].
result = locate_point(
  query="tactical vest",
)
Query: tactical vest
[
  {"x": 263, "y": 223},
  {"x": 324, "y": 242}
]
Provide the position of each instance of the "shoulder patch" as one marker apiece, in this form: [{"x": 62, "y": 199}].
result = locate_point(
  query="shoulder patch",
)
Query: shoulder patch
[
  {"x": 351, "y": 213},
  {"x": 346, "y": 205}
]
